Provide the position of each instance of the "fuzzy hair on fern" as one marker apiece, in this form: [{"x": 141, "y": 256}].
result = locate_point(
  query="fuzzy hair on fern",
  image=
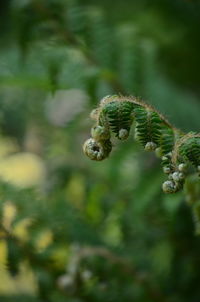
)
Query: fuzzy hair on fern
[{"x": 179, "y": 152}]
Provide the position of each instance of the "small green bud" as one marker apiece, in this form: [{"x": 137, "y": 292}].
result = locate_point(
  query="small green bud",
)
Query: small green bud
[
  {"x": 123, "y": 134},
  {"x": 150, "y": 146},
  {"x": 166, "y": 170},
  {"x": 181, "y": 176},
  {"x": 100, "y": 133},
  {"x": 96, "y": 150},
  {"x": 182, "y": 167},
  {"x": 169, "y": 186},
  {"x": 175, "y": 176}
]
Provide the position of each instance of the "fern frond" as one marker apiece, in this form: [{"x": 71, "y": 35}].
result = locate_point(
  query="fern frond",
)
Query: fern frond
[{"x": 116, "y": 114}]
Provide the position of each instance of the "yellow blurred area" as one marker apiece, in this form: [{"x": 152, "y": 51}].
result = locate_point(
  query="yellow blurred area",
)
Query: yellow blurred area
[
  {"x": 22, "y": 170},
  {"x": 76, "y": 190},
  {"x": 9, "y": 213},
  {"x": 60, "y": 256},
  {"x": 20, "y": 229},
  {"x": 43, "y": 240},
  {"x": 24, "y": 282},
  {"x": 7, "y": 146},
  {"x": 3, "y": 256}
]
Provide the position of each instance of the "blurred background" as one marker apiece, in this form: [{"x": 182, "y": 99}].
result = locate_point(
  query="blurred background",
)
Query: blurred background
[{"x": 72, "y": 229}]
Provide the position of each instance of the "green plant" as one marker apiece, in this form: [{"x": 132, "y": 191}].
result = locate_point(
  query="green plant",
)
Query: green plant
[
  {"x": 178, "y": 151},
  {"x": 76, "y": 230}
]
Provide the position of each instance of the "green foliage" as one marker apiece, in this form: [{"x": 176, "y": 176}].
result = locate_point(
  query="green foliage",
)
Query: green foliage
[{"x": 78, "y": 230}]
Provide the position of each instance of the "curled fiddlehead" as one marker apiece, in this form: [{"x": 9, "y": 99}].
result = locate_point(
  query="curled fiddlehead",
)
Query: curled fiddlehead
[{"x": 116, "y": 114}]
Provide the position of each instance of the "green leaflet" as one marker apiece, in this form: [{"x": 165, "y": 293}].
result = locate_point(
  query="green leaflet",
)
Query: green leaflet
[
  {"x": 119, "y": 116},
  {"x": 190, "y": 150},
  {"x": 167, "y": 140},
  {"x": 148, "y": 126}
]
